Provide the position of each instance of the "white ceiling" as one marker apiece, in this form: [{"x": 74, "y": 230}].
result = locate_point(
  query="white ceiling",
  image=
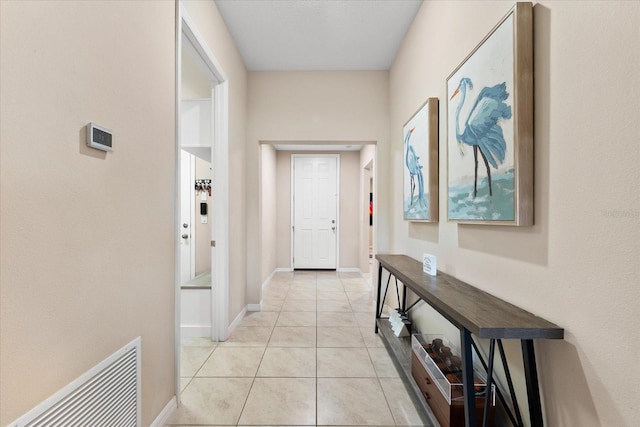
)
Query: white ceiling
[{"x": 296, "y": 35}]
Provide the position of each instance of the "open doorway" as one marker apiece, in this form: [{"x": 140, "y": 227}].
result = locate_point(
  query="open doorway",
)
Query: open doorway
[
  {"x": 196, "y": 122},
  {"x": 201, "y": 212},
  {"x": 367, "y": 229},
  {"x": 276, "y": 203},
  {"x": 368, "y": 208}
]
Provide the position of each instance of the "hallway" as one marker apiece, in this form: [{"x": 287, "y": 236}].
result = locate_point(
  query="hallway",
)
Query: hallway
[{"x": 310, "y": 357}]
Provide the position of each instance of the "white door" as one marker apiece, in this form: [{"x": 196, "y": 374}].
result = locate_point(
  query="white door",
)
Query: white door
[
  {"x": 187, "y": 244},
  {"x": 315, "y": 211}
]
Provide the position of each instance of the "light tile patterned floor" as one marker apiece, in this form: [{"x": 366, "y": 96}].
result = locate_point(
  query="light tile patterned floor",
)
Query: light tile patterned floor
[{"x": 309, "y": 358}]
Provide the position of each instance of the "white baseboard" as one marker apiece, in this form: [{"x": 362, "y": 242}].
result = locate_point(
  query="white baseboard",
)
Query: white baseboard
[
  {"x": 236, "y": 321},
  {"x": 349, "y": 270},
  {"x": 258, "y": 307},
  {"x": 195, "y": 331},
  {"x": 268, "y": 279},
  {"x": 164, "y": 415},
  {"x": 254, "y": 307},
  {"x": 283, "y": 270}
]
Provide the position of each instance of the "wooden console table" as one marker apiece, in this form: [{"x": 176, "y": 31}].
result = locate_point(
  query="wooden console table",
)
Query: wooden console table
[{"x": 476, "y": 312}]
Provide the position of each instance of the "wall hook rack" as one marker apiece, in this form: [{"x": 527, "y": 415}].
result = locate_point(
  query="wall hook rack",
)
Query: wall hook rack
[{"x": 203, "y": 185}]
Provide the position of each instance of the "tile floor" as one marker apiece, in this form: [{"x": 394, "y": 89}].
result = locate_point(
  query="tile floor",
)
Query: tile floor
[{"x": 310, "y": 357}]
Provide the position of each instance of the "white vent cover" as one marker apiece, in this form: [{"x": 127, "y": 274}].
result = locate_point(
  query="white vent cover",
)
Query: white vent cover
[{"x": 106, "y": 395}]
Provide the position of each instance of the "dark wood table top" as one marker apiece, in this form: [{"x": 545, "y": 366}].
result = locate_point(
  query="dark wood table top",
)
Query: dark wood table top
[{"x": 483, "y": 314}]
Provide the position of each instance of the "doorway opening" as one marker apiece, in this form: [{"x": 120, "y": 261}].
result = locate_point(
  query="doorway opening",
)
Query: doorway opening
[
  {"x": 276, "y": 207},
  {"x": 366, "y": 233},
  {"x": 202, "y": 200}
]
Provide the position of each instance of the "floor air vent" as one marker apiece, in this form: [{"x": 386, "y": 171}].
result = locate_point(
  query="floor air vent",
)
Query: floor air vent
[{"x": 107, "y": 395}]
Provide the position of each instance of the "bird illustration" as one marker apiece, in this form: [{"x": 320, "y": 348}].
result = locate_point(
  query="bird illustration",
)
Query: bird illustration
[
  {"x": 415, "y": 169},
  {"x": 481, "y": 129}
]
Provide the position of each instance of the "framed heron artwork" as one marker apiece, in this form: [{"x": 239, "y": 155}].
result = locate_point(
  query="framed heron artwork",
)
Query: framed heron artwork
[
  {"x": 490, "y": 127},
  {"x": 420, "y": 164}
]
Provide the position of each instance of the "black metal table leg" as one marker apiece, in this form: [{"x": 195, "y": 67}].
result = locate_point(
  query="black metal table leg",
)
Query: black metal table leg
[
  {"x": 512, "y": 392},
  {"x": 378, "y": 296},
  {"x": 531, "y": 377},
  {"x": 487, "y": 393},
  {"x": 404, "y": 298},
  {"x": 515, "y": 422},
  {"x": 467, "y": 379}
]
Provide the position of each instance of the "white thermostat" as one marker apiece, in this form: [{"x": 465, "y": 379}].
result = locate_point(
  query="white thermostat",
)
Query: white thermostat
[{"x": 99, "y": 137}]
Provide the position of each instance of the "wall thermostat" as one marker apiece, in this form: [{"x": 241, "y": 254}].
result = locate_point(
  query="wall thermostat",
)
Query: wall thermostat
[{"x": 99, "y": 137}]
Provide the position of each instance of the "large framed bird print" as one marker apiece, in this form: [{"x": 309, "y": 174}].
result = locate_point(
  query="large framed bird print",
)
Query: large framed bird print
[
  {"x": 490, "y": 127},
  {"x": 420, "y": 164}
]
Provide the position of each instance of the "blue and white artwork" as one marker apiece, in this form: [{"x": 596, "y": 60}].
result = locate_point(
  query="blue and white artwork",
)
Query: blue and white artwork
[
  {"x": 480, "y": 123},
  {"x": 416, "y": 166}
]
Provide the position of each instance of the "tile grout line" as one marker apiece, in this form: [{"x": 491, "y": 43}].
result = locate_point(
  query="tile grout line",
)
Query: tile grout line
[
  {"x": 357, "y": 326},
  {"x": 253, "y": 381}
]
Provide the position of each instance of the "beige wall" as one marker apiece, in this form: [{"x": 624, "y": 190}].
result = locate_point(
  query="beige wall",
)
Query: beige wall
[
  {"x": 195, "y": 84},
  {"x": 87, "y": 248},
  {"x": 578, "y": 265},
  {"x": 308, "y": 106},
  {"x": 348, "y": 217},
  {"x": 104, "y": 246},
  {"x": 219, "y": 41},
  {"x": 282, "y": 243},
  {"x": 270, "y": 192},
  {"x": 350, "y": 210}
]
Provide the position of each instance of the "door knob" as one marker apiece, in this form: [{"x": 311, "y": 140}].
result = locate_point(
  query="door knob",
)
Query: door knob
[
  {"x": 185, "y": 236},
  {"x": 333, "y": 228},
  {"x": 185, "y": 225}
]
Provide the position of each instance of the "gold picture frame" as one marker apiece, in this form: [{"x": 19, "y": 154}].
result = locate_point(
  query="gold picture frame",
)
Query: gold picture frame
[
  {"x": 420, "y": 164},
  {"x": 494, "y": 127}
]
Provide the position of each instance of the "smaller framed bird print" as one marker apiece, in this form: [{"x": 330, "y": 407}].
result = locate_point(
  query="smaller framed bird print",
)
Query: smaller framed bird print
[
  {"x": 420, "y": 164},
  {"x": 490, "y": 127}
]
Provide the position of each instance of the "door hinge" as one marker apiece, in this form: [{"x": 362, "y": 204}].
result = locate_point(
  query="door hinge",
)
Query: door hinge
[
  {"x": 213, "y": 243},
  {"x": 293, "y": 227}
]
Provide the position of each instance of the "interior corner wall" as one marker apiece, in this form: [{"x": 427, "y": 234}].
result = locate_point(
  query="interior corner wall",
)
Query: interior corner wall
[
  {"x": 87, "y": 243},
  {"x": 308, "y": 106},
  {"x": 350, "y": 210},
  {"x": 578, "y": 265},
  {"x": 282, "y": 244},
  {"x": 268, "y": 209},
  {"x": 195, "y": 84},
  {"x": 213, "y": 30}
]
